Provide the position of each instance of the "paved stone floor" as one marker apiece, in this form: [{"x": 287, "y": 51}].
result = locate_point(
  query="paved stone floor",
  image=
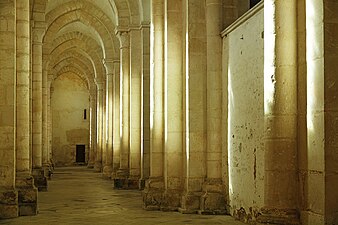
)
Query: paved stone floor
[{"x": 77, "y": 195}]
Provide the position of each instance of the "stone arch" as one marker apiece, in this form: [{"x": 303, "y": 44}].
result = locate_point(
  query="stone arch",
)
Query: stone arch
[
  {"x": 77, "y": 11},
  {"x": 72, "y": 46},
  {"x": 128, "y": 12}
]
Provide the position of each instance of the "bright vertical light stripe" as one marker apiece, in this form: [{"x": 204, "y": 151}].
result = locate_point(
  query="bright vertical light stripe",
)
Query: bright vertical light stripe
[
  {"x": 269, "y": 56},
  {"x": 165, "y": 89},
  {"x": 151, "y": 78},
  {"x": 314, "y": 15},
  {"x": 230, "y": 103},
  {"x": 187, "y": 87},
  {"x": 121, "y": 95}
]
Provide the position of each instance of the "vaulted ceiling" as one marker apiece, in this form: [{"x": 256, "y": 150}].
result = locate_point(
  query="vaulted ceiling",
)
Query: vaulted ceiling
[{"x": 78, "y": 36}]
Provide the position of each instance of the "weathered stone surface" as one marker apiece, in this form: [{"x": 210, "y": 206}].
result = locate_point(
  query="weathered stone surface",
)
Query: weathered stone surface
[
  {"x": 190, "y": 203},
  {"x": 8, "y": 204}
]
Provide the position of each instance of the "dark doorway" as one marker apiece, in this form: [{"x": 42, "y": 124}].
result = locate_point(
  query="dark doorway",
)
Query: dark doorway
[{"x": 80, "y": 153}]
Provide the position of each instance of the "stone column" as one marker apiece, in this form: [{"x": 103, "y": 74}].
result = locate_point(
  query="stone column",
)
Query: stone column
[
  {"x": 154, "y": 188},
  {"x": 280, "y": 109},
  {"x": 321, "y": 199},
  {"x": 8, "y": 193},
  {"x": 99, "y": 116},
  {"x": 108, "y": 167},
  {"x": 40, "y": 180},
  {"x": 93, "y": 123},
  {"x": 24, "y": 179},
  {"x": 46, "y": 163},
  {"x": 145, "y": 148},
  {"x": 135, "y": 109},
  {"x": 116, "y": 119},
  {"x": 173, "y": 103},
  {"x": 195, "y": 104},
  {"x": 229, "y": 12},
  {"x": 213, "y": 200},
  {"x": 104, "y": 126},
  {"x": 121, "y": 178},
  {"x": 49, "y": 120}
]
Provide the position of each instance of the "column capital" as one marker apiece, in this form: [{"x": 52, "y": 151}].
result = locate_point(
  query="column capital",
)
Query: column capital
[
  {"x": 108, "y": 65},
  {"x": 145, "y": 25},
  {"x": 38, "y": 30},
  {"x": 100, "y": 85},
  {"x": 123, "y": 35}
]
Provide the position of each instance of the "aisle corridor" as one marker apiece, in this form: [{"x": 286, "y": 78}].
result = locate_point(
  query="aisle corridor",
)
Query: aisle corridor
[{"x": 77, "y": 195}]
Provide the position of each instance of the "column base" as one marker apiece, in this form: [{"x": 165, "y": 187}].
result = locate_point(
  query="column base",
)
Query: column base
[
  {"x": 190, "y": 203},
  {"x": 171, "y": 200},
  {"x": 98, "y": 167},
  {"x": 141, "y": 184},
  {"x": 212, "y": 201},
  {"x": 279, "y": 216},
  {"x": 153, "y": 194},
  {"x": 123, "y": 181},
  {"x": 40, "y": 181},
  {"x": 28, "y": 195},
  {"x": 90, "y": 165},
  {"x": 8, "y": 204},
  {"x": 48, "y": 170},
  {"x": 107, "y": 171}
]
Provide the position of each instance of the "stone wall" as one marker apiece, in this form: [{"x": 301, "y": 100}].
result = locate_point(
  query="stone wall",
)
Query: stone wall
[
  {"x": 69, "y": 98},
  {"x": 243, "y": 70}
]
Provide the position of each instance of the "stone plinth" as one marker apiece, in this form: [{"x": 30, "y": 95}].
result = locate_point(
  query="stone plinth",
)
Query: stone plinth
[
  {"x": 213, "y": 200},
  {"x": 153, "y": 194},
  {"x": 171, "y": 200},
  {"x": 27, "y": 195},
  {"x": 98, "y": 166},
  {"x": 190, "y": 202},
  {"x": 40, "y": 180},
  {"x": 8, "y": 204},
  {"x": 107, "y": 171},
  {"x": 279, "y": 216},
  {"x": 122, "y": 180}
]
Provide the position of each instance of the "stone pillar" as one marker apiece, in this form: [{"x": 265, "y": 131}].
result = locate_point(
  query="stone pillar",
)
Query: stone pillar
[
  {"x": 145, "y": 148},
  {"x": 99, "y": 115},
  {"x": 93, "y": 123},
  {"x": 229, "y": 12},
  {"x": 135, "y": 109},
  {"x": 321, "y": 203},
  {"x": 121, "y": 178},
  {"x": 116, "y": 118},
  {"x": 46, "y": 163},
  {"x": 8, "y": 193},
  {"x": 40, "y": 180},
  {"x": 108, "y": 167},
  {"x": 280, "y": 109},
  {"x": 154, "y": 188},
  {"x": 213, "y": 200},
  {"x": 49, "y": 120},
  {"x": 24, "y": 179},
  {"x": 173, "y": 103},
  {"x": 194, "y": 105},
  {"x": 104, "y": 126}
]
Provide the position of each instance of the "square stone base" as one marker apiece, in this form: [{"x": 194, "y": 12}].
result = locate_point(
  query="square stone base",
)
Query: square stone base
[
  {"x": 212, "y": 204},
  {"x": 190, "y": 203},
  {"x": 279, "y": 216},
  {"x": 153, "y": 194},
  {"x": 28, "y": 196},
  {"x": 41, "y": 183},
  {"x": 126, "y": 183},
  {"x": 8, "y": 204}
]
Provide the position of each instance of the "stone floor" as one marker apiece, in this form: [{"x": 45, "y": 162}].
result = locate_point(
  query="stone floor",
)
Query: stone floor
[{"x": 77, "y": 195}]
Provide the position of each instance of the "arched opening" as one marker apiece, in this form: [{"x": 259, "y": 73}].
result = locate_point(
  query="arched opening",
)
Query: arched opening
[{"x": 70, "y": 125}]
